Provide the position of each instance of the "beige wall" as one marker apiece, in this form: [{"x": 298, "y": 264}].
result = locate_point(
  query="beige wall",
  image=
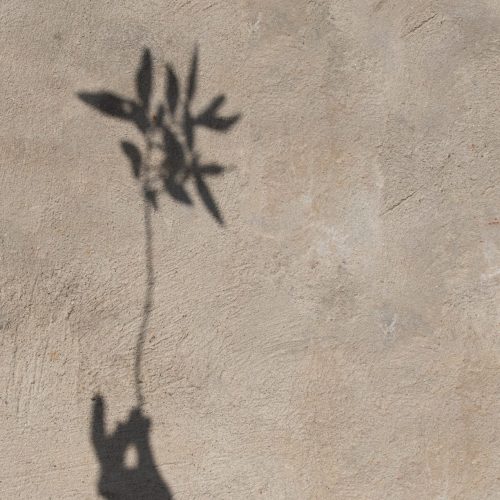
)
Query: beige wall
[{"x": 337, "y": 337}]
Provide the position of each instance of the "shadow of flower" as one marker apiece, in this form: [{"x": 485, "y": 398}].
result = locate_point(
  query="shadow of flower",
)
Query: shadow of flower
[{"x": 170, "y": 129}]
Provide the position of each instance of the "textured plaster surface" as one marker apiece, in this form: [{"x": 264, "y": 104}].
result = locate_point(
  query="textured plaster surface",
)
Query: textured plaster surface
[{"x": 338, "y": 337}]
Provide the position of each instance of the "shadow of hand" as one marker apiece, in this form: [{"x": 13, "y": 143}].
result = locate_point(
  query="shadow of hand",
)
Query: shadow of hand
[{"x": 117, "y": 479}]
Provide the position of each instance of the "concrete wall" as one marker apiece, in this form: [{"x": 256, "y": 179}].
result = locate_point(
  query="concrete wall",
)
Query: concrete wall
[{"x": 336, "y": 337}]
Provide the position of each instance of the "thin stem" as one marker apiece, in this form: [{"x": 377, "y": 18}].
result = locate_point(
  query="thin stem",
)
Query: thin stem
[{"x": 150, "y": 278}]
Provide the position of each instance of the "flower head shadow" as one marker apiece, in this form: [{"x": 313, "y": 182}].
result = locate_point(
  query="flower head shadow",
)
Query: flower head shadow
[{"x": 169, "y": 129}]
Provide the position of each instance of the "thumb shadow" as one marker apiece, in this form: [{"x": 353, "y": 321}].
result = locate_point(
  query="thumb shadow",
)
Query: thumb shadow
[{"x": 117, "y": 480}]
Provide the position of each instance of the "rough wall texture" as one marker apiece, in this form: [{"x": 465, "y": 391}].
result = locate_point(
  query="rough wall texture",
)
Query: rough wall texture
[{"x": 337, "y": 337}]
